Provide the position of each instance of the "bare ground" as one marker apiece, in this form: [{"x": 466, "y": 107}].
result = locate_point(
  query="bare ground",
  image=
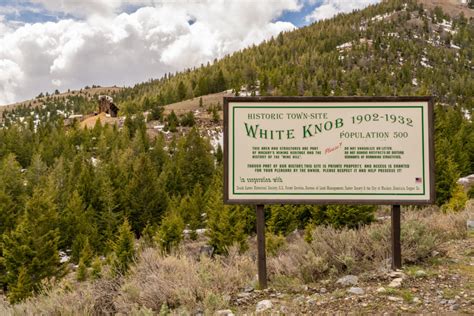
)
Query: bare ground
[{"x": 193, "y": 104}]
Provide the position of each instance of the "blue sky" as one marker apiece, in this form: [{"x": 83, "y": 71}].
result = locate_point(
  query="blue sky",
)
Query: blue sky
[{"x": 67, "y": 44}]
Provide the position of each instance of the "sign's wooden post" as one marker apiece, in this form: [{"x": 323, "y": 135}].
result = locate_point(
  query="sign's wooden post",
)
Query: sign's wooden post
[
  {"x": 261, "y": 258},
  {"x": 396, "y": 246}
]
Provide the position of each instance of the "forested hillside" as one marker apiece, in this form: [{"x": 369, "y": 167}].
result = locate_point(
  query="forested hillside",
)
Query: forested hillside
[{"x": 69, "y": 194}]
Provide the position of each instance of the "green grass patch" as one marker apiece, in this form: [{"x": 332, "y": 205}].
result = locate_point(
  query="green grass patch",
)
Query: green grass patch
[
  {"x": 411, "y": 271},
  {"x": 449, "y": 293},
  {"x": 283, "y": 282},
  {"x": 407, "y": 295},
  {"x": 339, "y": 293},
  {"x": 391, "y": 291}
]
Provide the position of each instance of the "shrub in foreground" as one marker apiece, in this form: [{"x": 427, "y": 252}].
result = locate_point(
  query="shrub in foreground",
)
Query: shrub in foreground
[{"x": 186, "y": 284}]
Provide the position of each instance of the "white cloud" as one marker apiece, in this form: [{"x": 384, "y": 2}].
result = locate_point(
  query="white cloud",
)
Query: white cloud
[
  {"x": 10, "y": 77},
  {"x": 124, "y": 49},
  {"x": 81, "y": 8},
  {"x": 330, "y": 8}
]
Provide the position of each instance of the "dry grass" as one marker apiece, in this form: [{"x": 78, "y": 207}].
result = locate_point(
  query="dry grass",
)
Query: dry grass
[
  {"x": 187, "y": 284},
  {"x": 181, "y": 281},
  {"x": 193, "y": 104},
  {"x": 333, "y": 252},
  {"x": 90, "y": 121},
  {"x": 85, "y": 93}
]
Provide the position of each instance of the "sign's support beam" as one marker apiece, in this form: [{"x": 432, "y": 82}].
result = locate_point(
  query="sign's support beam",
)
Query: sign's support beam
[
  {"x": 261, "y": 257},
  {"x": 396, "y": 246}
]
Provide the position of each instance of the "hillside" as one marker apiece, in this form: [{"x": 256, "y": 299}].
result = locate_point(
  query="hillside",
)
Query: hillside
[
  {"x": 88, "y": 210},
  {"x": 452, "y": 7},
  {"x": 40, "y": 100},
  {"x": 391, "y": 49}
]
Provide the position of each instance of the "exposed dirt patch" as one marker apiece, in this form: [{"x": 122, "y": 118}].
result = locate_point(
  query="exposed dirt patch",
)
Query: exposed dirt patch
[
  {"x": 193, "y": 104},
  {"x": 90, "y": 121}
]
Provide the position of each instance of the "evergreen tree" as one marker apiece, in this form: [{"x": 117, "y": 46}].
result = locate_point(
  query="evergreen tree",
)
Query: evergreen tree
[
  {"x": 282, "y": 220},
  {"x": 81, "y": 274},
  {"x": 146, "y": 200},
  {"x": 350, "y": 216},
  {"x": 86, "y": 253},
  {"x": 22, "y": 289},
  {"x": 225, "y": 223},
  {"x": 9, "y": 212},
  {"x": 124, "y": 249},
  {"x": 195, "y": 161},
  {"x": 458, "y": 200},
  {"x": 96, "y": 268},
  {"x": 157, "y": 154},
  {"x": 148, "y": 234},
  {"x": 172, "y": 122},
  {"x": 77, "y": 226},
  {"x": 12, "y": 180},
  {"x": 33, "y": 246},
  {"x": 181, "y": 91},
  {"x": 170, "y": 232},
  {"x": 36, "y": 173},
  {"x": 220, "y": 82}
]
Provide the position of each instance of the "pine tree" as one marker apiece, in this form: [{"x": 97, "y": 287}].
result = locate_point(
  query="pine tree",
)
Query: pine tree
[
  {"x": 124, "y": 249},
  {"x": 96, "y": 272},
  {"x": 108, "y": 217},
  {"x": 191, "y": 207},
  {"x": 170, "y": 232},
  {"x": 282, "y": 220},
  {"x": 172, "y": 122},
  {"x": 33, "y": 245},
  {"x": 9, "y": 212},
  {"x": 86, "y": 253},
  {"x": 78, "y": 226},
  {"x": 181, "y": 93},
  {"x": 195, "y": 161},
  {"x": 458, "y": 200},
  {"x": 36, "y": 173},
  {"x": 225, "y": 224},
  {"x": 220, "y": 82},
  {"x": 148, "y": 234},
  {"x": 81, "y": 274},
  {"x": 146, "y": 200},
  {"x": 22, "y": 289},
  {"x": 350, "y": 216},
  {"x": 11, "y": 179},
  {"x": 158, "y": 155}
]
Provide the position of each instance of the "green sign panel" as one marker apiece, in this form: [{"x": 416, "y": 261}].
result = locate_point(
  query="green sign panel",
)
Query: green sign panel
[{"x": 328, "y": 150}]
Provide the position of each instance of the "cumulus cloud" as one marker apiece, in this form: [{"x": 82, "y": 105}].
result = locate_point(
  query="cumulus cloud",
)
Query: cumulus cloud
[
  {"x": 10, "y": 76},
  {"x": 126, "y": 48},
  {"x": 81, "y": 8},
  {"x": 330, "y": 8}
]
